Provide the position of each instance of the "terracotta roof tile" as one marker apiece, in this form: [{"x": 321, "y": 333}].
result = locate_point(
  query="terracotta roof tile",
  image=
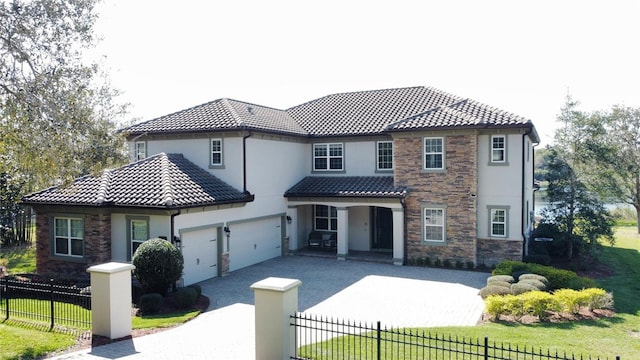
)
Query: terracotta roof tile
[{"x": 160, "y": 181}]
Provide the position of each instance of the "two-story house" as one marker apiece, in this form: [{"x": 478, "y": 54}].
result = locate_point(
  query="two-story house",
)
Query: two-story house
[{"x": 410, "y": 172}]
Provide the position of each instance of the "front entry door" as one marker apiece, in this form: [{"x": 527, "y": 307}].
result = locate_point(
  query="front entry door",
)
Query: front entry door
[{"x": 382, "y": 220}]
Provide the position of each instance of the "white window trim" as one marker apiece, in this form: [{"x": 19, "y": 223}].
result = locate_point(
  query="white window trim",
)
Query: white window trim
[
  {"x": 328, "y": 157},
  {"x": 139, "y": 155},
  {"x": 492, "y": 160},
  {"x": 211, "y": 152},
  {"x": 328, "y": 217},
  {"x": 68, "y": 236},
  {"x": 425, "y": 153},
  {"x": 424, "y": 224},
  {"x": 378, "y": 155},
  {"x": 491, "y": 210}
]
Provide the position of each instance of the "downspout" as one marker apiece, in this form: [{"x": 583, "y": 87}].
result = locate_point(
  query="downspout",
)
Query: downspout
[
  {"x": 525, "y": 218},
  {"x": 174, "y": 239}
]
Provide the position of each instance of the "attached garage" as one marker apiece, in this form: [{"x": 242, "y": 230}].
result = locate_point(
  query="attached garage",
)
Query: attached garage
[
  {"x": 251, "y": 242},
  {"x": 200, "y": 252}
]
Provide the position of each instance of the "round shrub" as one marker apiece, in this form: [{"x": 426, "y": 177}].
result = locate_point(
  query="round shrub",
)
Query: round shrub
[
  {"x": 535, "y": 277},
  {"x": 158, "y": 265},
  {"x": 500, "y": 278},
  {"x": 150, "y": 303},
  {"x": 493, "y": 290},
  {"x": 539, "y": 285},
  {"x": 185, "y": 298},
  {"x": 520, "y": 288},
  {"x": 197, "y": 288},
  {"x": 500, "y": 283}
]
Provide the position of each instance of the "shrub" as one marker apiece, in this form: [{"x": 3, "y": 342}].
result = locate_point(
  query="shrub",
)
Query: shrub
[
  {"x": 470, "y": 265},
  {"x": 459, "y": 264},
  {"x": 599, "y": 299},
  {"x": 539, "y": 303},
  {"x": 539, "y": 285},
  {"x": 446, "y": 263},
  {"x": 437, "y": 262},
  {"x": 500, "y": 278},
  {"x": 158, "y": 265},
  {"x": 569, "y": 299},
  {"x": 150, "y": 303},
  {"x": 558, "y": 278},
  {"x": 520, "y": 288},
  {"x": 494, "y": 290},
  {"x": 185, "y": 298},
  {"x": 494, "y": 305},
  {"x": 500, "y": 283},
  {"x": 197, "y": 288},
  {"x": 535, "y": 277},
  {"x": 514, "y": 306}
]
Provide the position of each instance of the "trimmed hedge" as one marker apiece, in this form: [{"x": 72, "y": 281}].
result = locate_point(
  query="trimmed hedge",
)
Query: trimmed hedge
[
  {"x": 150, "y": 303},
  {"x": 489, "y": 290},
  {"x": 185, "y": 298},
  {"x": 558, "y": 278},
  {"x": 500, "y": 278}
]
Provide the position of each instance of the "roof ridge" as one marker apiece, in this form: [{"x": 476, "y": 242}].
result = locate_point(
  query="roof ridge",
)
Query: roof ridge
[
  {"x": 103, "y": 189},
  {"x": 165, "y": 180},
  {"x": 357, "y": 92},
  {"x": 227, "y": 104}
]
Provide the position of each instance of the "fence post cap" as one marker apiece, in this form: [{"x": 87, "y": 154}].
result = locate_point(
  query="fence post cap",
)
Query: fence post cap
[
  {"x": 276, "y": 284},
  {"x": 111, "y": 268}
]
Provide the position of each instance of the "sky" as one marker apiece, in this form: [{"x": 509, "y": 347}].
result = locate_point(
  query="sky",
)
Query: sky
[{"x": 524, "y": 57}]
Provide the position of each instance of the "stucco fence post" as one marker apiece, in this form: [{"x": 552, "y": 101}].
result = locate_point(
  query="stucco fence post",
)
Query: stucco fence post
[
  {"x": 111, "y": 299},
  {"x": 276, "y": 299}
]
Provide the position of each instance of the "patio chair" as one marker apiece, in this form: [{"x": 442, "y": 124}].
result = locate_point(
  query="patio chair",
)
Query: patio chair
[
  {"x": 315, "y": 239},
  {"x": 331, "y": 242}
]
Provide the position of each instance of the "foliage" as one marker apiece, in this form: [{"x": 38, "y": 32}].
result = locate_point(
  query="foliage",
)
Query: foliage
[
  {"x": 150, "y": 303},
  {"x": 490, "y": 290},
  {"x": 197, "y": 288},
  {"x": 185, "y": 298},
  {"x": 539, "y": 285},
  {"x": 500, "y": 278},
  {"x": 57, "y": 115},
  {"x": 522, "y": 287},
  {"x": 18, "y": 342},
  {"x": 540, "y": 278},
  {"x": 158, "y": 265},
  {"x": 558, "y": 278},
  {"x": 20, "y": 260}
]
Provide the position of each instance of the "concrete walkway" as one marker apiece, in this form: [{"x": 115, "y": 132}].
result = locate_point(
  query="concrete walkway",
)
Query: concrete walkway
[{"x": 398, "y": 296}]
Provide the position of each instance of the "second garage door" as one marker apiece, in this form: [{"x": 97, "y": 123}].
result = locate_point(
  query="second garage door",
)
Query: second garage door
[{"x": 253, "y": 242}]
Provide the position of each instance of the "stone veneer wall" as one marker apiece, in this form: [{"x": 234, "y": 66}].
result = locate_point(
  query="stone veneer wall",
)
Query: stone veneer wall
[
  {"x": 97, "y": 242},
  {"x": 456, "y": 188},
  {"x": 493, "y": 251}
]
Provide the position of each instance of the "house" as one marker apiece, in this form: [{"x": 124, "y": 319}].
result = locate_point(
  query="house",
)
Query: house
[{"x": 409, "y": 172}]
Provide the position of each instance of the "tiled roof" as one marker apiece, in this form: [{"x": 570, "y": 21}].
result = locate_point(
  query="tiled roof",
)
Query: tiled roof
[
  {"x": 343, "y": 114},
  {"x": 346, "y": 186},
  {"x": 221, "y": 114},
  {"x": 161, "y": 181}
]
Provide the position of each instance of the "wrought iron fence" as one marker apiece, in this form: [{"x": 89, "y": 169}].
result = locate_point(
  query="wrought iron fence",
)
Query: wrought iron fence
[
  {"x": 325, "y": 338},
  {"x": 51, "y": 303}
]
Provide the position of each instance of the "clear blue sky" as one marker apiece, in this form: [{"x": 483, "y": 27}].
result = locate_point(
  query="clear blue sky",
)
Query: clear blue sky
[{"x": 519, "y": 56}]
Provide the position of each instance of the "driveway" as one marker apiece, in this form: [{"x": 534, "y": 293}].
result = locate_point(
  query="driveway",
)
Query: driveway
[{"x": 398, "y": 296}]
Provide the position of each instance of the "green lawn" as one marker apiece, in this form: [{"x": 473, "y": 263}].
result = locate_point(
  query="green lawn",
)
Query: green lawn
[
  {"x": 604, "y": 338},
  {"x": 19, "y": 260}
]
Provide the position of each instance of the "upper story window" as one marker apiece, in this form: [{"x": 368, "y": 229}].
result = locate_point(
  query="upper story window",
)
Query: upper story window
[
  {"x": 498, "y": 149},
  {"x": 328, "y": 157},
  {"x": 325, "y": 218},
  {"x": 140, "y": 150},
  {"x": 434, "y": 153},
  {"x": 434, "y": 224},
  {"x": 216, "y": 152},
  {"x": 384, "y": 155},
  {"x": 69, "y": 236},
  {"x": 498, "y": 222}
]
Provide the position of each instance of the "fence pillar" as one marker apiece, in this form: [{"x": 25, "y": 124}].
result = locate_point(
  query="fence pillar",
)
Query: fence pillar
[
  {"x": 276, "y": 299},
  {"x": 111, "y": 299}
]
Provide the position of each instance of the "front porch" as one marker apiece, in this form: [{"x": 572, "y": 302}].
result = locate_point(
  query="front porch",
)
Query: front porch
[{"x": 354, "y": 255}]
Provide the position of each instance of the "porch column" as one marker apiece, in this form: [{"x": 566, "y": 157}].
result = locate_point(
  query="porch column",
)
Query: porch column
[
  {"x": 292, "y": 229},
  {"x": 398, "y": 236},
  {"x": 343, "y": 231}
]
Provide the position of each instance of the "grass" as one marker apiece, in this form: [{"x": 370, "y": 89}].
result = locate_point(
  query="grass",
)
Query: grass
[
  {"x": 20, "y": 260},
  {"x": 603, "y": 338},
  {"x": 17, "y": 342}
]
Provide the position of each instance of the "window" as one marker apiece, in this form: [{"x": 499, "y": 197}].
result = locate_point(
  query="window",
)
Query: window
[
  {"x": 327, "y": 157},
  {"x": 498, "y": 149},
  {"x": 434, "y": 224},
  {"x": 141, "y": 150},
  {"x": 69, "y": 236},
  {"x": 139, "y": 233},
  {"x": 216, "y": 152},
  {"x": 326, "y": 218},
  {"x": 384, "y": 155},
  {"x": 498, "y": 222},
  {"x": 434, "y": 153}
]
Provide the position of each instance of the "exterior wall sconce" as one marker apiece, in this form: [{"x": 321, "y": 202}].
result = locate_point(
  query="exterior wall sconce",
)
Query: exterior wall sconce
[
  {"x": 226, "y": 230},
  {"x": 289, "y": 219}
]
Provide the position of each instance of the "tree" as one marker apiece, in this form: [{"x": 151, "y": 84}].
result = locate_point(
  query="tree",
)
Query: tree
[{"x": 57, "y": 115}]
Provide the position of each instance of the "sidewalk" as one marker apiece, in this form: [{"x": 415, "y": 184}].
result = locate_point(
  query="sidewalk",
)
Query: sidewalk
[{"x": 397, "y": 296}]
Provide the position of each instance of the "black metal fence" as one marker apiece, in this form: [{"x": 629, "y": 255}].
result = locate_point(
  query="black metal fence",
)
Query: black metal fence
[
  {"x": 50, "y": 303},
  {"x": 324, "y": 338}
]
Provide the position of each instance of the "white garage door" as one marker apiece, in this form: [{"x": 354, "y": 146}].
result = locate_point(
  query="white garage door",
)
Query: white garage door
[
  {"x": 254, "y": 242},
  {"x": 200, "y": 252}
]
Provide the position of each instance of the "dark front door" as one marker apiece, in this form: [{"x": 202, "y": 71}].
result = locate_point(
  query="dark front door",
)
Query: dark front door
[{"x": 382, "y": 220}]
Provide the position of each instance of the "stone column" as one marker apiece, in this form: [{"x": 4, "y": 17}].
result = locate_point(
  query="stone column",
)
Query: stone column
[
  {"x": 343, "y": 233},
  {"x": 398, "y": 236},
  {"x": 111, "y": 299},
  {"x": 276, "y": 299}
]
